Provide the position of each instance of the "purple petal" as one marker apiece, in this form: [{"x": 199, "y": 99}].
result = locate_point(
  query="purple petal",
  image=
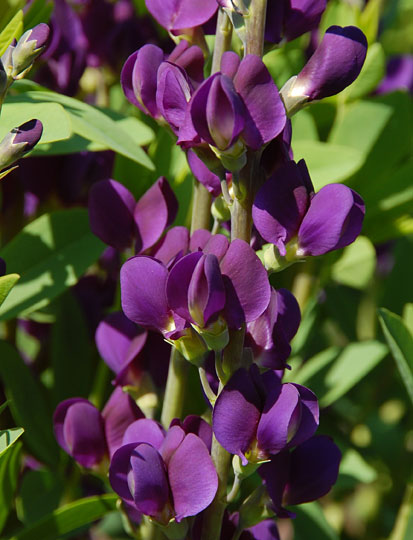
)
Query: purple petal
[
  {"x": 111, "y": 208},
  {"x": 155, "y": 211},
  {"x": 181, "y": 14},
  {"x": 399, "y": 75},
  {"x": 178, "y": 283},
  {"x": 126, "y": 81},
  {"x": 191, "y": 59},
  {"x": 192, "y": 477},
  {"x": 197, "y": 425},
  {"x": 119, "y": 340},
  {"x": 119, "y": 412},
  {"x": 275, "y": 475},
  {"x": 203, "y": 174},
  {"x": 145, "y": 430},
  {"x": 81, "y": 431},
  {"x": 236, "y": 414},
  {"x": 28, "y": 134},
  {"x": 144, "y": 78},
  {"x": 266, "y": 530},
  {"x": 266, "y": 113},
  {"x": 174, "y": 243},
  {"x": 143, "y": 292},
  {"x": 280, "y": 205},
  {"x": 173, "y": 439},
  {"x": 279, "y": 420},
  {"x": 198, "y": 240},
  {"x": 309, "y": 416},
  {"x": 217, "y": 245},
  {"x": 302, "y": 16},
  {"x": 40, "y": 34},
  {"x": 246, "y": 298},
  {"x": 335, "y": 64},
  {"x": 119, "y": 469},
  {"x": 333, "y": 220},
  {"x": 173, "y": 94},
  {"x": 230, "y": 62},
  {"x": 206, "y": 292},
  {"x": 313, "y": 470}
]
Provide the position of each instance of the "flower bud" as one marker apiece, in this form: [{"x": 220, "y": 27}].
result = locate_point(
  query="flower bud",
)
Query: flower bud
[
  {"x": 19, "y": 141},
  {"x": 28, "y": 48},
  {"x": 3, "y": 81}
]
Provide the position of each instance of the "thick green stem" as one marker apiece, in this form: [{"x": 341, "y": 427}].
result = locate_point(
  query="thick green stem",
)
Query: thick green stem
[
  {"x": 241, "y": 220},
  {"x": 175, "y": 388},
  {"x": 222, "y": 40},
  {"x": 201, "y": 209},
  {"x": 255, "y": 26}
]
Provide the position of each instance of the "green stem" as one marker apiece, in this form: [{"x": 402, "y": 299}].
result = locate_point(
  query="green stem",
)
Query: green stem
[
  {"x": 234, "y": 490},
  {"x": 404, "y": 515},
  {"x": 175, "y": 388},
  {"x": 201, "y": 209},
  {"x": 255, "y": 26},
  {"x": 206, "y": 386},
  {"x": 222, "y": 40}
]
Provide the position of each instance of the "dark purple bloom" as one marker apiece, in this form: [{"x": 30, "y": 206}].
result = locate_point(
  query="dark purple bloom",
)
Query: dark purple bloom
[
  {"x": 119, "y": 341},
  {"x": 399, "y": 75},
  {"x": 303, "y": 475},
  {"x": 117, "y": 219},
  {"x": 255, "y": 416},
  {"x": 335, "y": 64},
  {"x": 79, "y": 431},
  {"x": 28, "y": 48},
  {"x": 204, "y": 175},
  {"x": 19, "y": 141},
  {"x": 241, "y": 101},
  {"x": 164, "y": 476},
  {"x": 118, "y": 414},
  {"x": 269, "y": 336},
  {"x": 289, "y": 19},
  {"x": 287, "y": 214},
  {"x": 178, "y": 15},
  {"x": 197, "y": 425}
]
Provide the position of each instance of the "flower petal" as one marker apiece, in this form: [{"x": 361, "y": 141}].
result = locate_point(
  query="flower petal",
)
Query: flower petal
[{"x": 144, "y": 430}]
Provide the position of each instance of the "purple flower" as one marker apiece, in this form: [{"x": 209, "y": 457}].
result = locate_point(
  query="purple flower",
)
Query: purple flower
[
  {"x": 240, "y": 102},
  {"x": 79, "y": 430},
  {"x": 118, "y": 220},
  {"x": 178, "y": 15},
  {"x": 287, "y": 214},
  {"x": 31, "y": 44},
  {"x": 119, "y": 341},
  {"x": 303, "y": 475},
  {"x": 203, "y": 174},
  {"x": 335, "y": 64},
  {"x": 269, "y": 336},
  {"x": 255, "y": 416},
  {"x": 163, "y": 476},
  {"x": 289, "y": 19},
  {"x": 399, "y": 75},
  {"x": 19, "y": 141},
  {"x": 141, "y": 76}
]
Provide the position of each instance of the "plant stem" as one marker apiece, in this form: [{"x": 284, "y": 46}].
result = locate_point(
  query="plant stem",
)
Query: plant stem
[
  {"x": 201, "y": 207},
  {"x": 175, "y": 388},
  {"x": 206, "y": 386},
  {"x": 234, "y": 490},
  {"x": 255, "y": 26},
  {"x": 222, "y": 39},
  {"x": 404, "y": 515}
]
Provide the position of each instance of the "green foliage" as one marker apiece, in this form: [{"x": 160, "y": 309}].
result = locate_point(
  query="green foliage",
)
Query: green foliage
[
  {"x": 7, "y": 282},
  {"x": 8, "y": 437},
  {"x": 311, "y": 523},
  {"x": 9, "y": 471},
  {"x": 400, "y": 341},
  {"x": 14, "y": 29},
  {"x": 39, "y": 11},
  {"x": 39, "y": 495},
  {"x": 50, "y": 254},
  {"x": 356, "y": 266}
]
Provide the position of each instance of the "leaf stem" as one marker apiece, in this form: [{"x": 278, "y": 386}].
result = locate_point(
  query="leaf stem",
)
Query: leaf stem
[{"x": 175, "y": 388}]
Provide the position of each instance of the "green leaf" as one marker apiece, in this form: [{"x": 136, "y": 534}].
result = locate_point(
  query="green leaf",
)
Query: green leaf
[
  {"x": 3, "y": 407},
  {"x": 328, "y": 162},
  {"x": 403, "y": 528},
  {"x": 407, "y": 317},
  {"x": 311, "y": 523},
  {"x": 39, "y": 494},
  {"x": 28, "y": 405},
  {"x": 372, "y": 72},
  {"x": 369, "y": 19},
  {"x": 7, "y": 282},
  {"x": 50, "y": 254},
  {"x": 304, "y": 127},
  {"x": 8, "y": 437},
  {"x": 68, "y": 518},
  {"x": 356, "y": 266},
  {"x": 91, "y": 124},
  {"x": 39, "y": 11},
  {"x": 400, "y": 341},
  {"x": 355, "y": 466},
  {"x": 356, "y": 360},
  {"x": 13, "y": 30},
  {"x": 312, "y": 366},
  {"x": 56, "y": 122},
  {"x": 9, "y": 474}
]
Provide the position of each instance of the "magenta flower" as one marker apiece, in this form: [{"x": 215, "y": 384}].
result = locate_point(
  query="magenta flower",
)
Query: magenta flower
[
  {"x": 178, "y": 15},
  {"x": 164, "y": 476},
  {"x": 303, "y": 475},
  {"x": 118, "y": 220},
  {"x": 255, "y": 416},
  {"x": 289, "y": 19},
  {"x": 287, "y": 213}
]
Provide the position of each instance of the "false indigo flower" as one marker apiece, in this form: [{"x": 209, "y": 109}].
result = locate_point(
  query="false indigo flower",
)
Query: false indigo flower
[
  {"x": 117, "y": 219},
  {"x": 299, "y": 223},
  {"x": 255, "y": 416},
  {"x": 303, "y": 475},
  {"x": 269, "y": 336},
  {"x": 178, "y": 15},
  {"x": 79, "y": 430},
  {"x": 31, "y": 44},
  {"x": 19, "y": 141},
  {"x": 163, "y": 476},
  {"x": 289, "y": 19},
  {"x": 335, "y": 64},
  {"x": 399, "y": 75}
]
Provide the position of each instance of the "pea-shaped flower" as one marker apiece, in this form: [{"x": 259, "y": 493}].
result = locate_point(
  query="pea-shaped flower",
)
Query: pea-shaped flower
[
  {"x": 79, "y": 430},
  {"x": 166, "y": 477},
  {"x": 255, "y": 416},
  {"x": 287, "y": 213},
  {"x": 19, "y": 141},
  {"x": 178, "y": 15}
]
